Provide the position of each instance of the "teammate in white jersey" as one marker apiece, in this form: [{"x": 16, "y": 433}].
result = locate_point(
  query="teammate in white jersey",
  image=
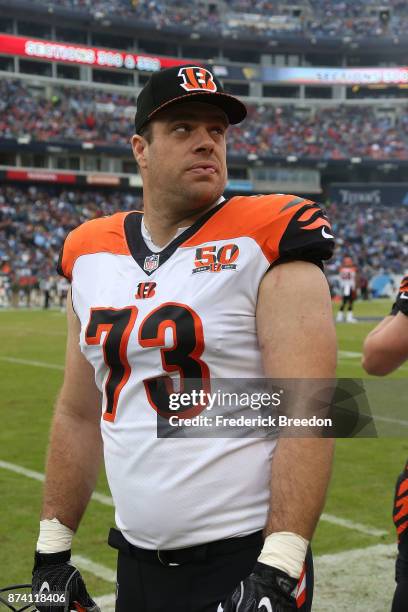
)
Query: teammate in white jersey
[
  {"x": 348, "y": 283},
  {"x": 197, "y": 288}
]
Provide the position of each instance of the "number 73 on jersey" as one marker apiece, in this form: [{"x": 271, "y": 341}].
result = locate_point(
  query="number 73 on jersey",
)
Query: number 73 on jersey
[{"x": 184, "y": 357}]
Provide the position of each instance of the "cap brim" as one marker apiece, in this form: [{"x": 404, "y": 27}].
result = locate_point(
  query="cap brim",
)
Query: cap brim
[{"x": 234, "y": 109}]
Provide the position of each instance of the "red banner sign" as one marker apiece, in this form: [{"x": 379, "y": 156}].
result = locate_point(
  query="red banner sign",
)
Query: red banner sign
[
  {"x": 40, "y": 175},
  {"x": 79, "y": 54}
]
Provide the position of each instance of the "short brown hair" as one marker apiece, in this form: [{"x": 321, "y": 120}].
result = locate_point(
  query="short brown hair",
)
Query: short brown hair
[{"x": 147, "y": 132}]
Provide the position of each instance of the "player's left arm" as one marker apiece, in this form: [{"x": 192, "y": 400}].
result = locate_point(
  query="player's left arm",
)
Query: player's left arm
[{"x": 297, "y": 340}]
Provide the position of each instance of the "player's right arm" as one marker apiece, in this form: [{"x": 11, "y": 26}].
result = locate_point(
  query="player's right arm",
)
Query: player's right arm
[
  {"x": 75, "y": 449},
  {"x": 73, "y": 462},
  {"x": 386, "y": 346}
]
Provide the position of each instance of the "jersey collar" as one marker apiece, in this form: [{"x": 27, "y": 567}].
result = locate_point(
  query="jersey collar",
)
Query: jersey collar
[{"x": 148, "y": 260}]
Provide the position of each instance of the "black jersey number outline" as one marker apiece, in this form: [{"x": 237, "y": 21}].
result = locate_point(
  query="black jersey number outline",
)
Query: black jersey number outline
[
  {"x": 183, "y": 356},
  {"x": 117, "y": 323}
]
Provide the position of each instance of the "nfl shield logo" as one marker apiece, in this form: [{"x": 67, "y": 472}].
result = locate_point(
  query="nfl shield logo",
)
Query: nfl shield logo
[{"x": 151, "y": 263}]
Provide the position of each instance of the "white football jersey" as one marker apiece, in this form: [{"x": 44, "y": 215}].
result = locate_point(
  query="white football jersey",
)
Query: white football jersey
[
  {"x": 150, "y": 321},
  {"x": 348, "y": 280}
]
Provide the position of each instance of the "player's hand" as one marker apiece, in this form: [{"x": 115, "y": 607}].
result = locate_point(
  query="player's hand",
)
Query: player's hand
[
  {"x": 52, "y": 573},
  {"x": 267, "y": 589},
  {"x": 401, "y": 302}
]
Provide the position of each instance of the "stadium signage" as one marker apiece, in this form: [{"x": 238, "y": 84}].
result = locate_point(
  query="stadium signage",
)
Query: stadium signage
[
  {"x": 378, "y": 194},
  {"x": 48, "y": 177},
  {"x": 240, "y": 185},
  {"x": 336, "y": 76},
  {"x": 370, "y": 196},
  {"x": 78, "y": 54},
  {"x": 102, "y": 179}
]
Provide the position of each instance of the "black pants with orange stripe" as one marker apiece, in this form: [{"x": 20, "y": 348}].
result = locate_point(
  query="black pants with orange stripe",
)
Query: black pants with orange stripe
[{"x": 155, "y": 583}]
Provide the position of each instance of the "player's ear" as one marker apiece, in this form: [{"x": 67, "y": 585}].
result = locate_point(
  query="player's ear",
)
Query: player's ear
[{"x": 139, "y": 146}]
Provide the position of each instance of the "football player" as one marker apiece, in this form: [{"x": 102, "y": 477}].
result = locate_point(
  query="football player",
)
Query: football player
[
  {"x": 196, "y": 288},
  {"x": 348, "y": 284}
]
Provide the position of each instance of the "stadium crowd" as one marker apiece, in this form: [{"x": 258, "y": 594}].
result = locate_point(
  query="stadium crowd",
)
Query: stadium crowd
[
  {"x": 76, "y": 114},
  {"x": 375, "y": 237},
  {"x": 358, "y": 18},
  {"x": 34, "y": 223},
  {"x": 318, "y": 17},
  {"x": 337, "y": 132},
  {"x": 67, "y": 113},
  {"x": 35, "y": 220}
]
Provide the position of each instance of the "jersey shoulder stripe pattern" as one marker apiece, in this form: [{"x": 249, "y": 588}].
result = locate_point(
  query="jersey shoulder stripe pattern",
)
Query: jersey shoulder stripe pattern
[{"x": 264, "y": 218}]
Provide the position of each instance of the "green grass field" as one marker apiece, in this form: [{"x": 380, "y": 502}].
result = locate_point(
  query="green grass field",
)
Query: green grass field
[{"x": 361, "y": 490}]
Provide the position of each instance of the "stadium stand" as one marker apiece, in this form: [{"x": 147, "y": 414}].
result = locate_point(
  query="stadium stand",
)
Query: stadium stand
[
  {"x": 327, "y": 133},
  {"x": 34, "y": 223},
  {"x": 35, "y": 220},
  {"x": 375, "y": 238},
  {"x": 73, "y": 114},
  {"x": 64, "y": 114},
  {"x": 312, "y": 17}
]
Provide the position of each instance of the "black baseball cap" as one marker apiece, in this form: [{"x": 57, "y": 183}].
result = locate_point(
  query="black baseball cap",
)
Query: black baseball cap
[{"x": 180, "y": 84}]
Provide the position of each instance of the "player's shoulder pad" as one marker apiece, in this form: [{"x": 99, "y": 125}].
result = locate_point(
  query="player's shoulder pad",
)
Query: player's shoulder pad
[
  {"x": 102, "y": 235},
  {"x": 308, "y": 235},
  {"x": 287, "y": 227}
]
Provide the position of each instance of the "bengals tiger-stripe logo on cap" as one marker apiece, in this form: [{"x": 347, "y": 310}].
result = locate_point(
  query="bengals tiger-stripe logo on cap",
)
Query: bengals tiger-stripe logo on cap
[{"x": 197, "y": 79}]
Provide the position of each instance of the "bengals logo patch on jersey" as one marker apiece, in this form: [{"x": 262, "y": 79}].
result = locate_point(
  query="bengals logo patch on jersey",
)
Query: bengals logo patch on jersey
[
  {"x": 197, "y": 79},
  {"x": 145, "y": 290}
]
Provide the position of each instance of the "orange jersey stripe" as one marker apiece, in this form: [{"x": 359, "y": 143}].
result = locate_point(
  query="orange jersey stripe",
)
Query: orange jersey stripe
[
  {"x": 308, "y": 213},
  {"x": 402, "y": 527},
  {"x": 301, "y": 589},
  {"x": 104, "y": 235},
  {"x": 263, "y": 218},
  {"x": 318, "y": 223},
  {"x": 402, "y": 504},
  {"x": 403, "y": 487}
]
